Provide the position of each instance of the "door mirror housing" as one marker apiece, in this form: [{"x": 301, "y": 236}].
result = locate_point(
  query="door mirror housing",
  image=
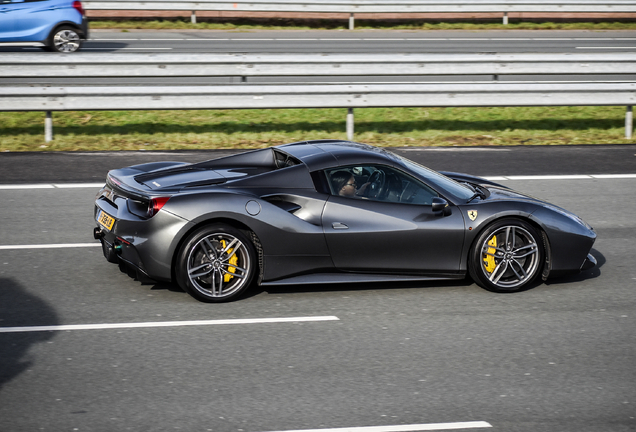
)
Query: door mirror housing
[{"x": 441, "y": 205}]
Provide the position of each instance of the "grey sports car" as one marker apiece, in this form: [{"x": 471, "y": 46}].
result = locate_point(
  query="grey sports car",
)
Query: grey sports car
[{"x": 328, "y": 211}]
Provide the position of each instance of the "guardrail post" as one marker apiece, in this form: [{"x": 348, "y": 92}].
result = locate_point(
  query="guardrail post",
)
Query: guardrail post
[
  {"x": 48, "y": 127},
  {"x": 351, "y": 21},
  {"x": 193, "y": 17},
  {"x": 505, "y": 18},
  {"x": 629, "y": 122},
  {"x": 350, "y": 124}
]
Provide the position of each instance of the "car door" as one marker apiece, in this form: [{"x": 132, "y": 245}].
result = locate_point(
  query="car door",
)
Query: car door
[
  {"x": 8, "y": 14},
  {"x": 393, "y": 232},
  {"x": 36, "y": 18}
]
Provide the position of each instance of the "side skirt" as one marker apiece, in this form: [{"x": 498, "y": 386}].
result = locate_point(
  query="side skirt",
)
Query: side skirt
[{"x": 326, "y": 278}]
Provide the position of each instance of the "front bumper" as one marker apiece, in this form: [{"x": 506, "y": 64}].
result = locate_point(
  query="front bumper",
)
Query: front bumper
[{"x": 589, "y": 262}]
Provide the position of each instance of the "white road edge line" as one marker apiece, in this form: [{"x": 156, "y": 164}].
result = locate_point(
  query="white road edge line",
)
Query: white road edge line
[
  {"x": 405, "y": 428},
  {"x": 50, "y": 246},
  {"x": 605, "y": 48},
  {"x": 51, "y": 186},
  {"x": 164, "y": 324},
  {"x": 564, "y": 177}
]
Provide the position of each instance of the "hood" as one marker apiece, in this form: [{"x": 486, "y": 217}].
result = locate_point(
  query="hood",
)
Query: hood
[{"x": 505, "y": 194}]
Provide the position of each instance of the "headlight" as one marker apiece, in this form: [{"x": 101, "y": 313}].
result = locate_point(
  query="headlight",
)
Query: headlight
[{"x": 570, "y": 215}]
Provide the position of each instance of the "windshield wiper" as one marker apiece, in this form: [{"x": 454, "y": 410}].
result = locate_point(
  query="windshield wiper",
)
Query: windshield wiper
[{"x": 479, "y": 193}]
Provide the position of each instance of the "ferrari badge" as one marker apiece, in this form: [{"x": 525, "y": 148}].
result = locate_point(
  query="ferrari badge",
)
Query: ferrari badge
[{"x": 472, "y": 214}]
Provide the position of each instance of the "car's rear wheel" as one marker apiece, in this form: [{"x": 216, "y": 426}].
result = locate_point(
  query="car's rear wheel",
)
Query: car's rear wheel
[
  {"x": 216, "y": 263},
  {"x": 64, "y": 39},
  {"x": 507, "y": 256}
]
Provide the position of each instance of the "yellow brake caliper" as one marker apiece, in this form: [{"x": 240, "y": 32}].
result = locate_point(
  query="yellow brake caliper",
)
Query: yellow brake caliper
[
  {"x": 233, "y": 260},
  {"x": 489, "y": 260}
]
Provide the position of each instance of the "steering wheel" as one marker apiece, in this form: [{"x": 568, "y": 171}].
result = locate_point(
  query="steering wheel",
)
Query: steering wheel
[{"x": 377, "y": 185}]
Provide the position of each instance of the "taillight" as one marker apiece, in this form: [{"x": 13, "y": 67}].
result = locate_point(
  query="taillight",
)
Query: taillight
[
  {"x": 155, "y": 205},
  {"x": 77, "y": 5}
]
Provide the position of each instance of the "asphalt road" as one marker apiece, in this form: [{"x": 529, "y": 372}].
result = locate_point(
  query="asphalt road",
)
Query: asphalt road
[
  {"x": 559, "y": 357},
  {"x": 82, "y": 167},
  {"x": 362, "y": 41}
]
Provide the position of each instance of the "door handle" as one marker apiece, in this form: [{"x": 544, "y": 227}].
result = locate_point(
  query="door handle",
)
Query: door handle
[{"x": 339, "y": 225}]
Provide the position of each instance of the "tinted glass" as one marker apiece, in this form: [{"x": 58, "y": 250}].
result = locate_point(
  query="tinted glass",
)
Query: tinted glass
[
  {"x": 433, "y": 177},
  {"x": 379, "y": 183}
]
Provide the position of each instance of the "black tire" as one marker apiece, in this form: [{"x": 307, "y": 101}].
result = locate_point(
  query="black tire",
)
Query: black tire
[
  {"x": 507, "y": 256},
  {"x": 217, "y": 263},
  {"x": 64, "y": 39}
]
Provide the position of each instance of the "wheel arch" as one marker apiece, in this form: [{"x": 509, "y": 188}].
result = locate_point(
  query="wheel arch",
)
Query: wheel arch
[
  {"x": 249, "y": 232},
  {"x": 71, "y": 24},
  {"x": 526, "y": 217}
]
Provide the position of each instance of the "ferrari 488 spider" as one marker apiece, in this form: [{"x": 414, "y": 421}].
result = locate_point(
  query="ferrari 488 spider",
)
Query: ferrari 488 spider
[{"x": 328, "y": 212}]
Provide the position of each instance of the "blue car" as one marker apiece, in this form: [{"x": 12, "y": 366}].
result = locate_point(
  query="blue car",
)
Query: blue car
[{"x": 55, "y": 25}]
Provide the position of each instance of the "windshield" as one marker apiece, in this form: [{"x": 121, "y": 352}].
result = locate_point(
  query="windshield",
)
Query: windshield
[{"x": 457, "y": 190}]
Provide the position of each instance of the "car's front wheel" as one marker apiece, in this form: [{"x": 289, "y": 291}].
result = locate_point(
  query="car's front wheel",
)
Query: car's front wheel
[
  {"x": 64, "y": 40},
  {"x": 507, "y": 256},
  {"x": 216, "y": 263}
]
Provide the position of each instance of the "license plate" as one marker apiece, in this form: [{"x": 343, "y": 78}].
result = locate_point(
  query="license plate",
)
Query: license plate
[{"x": 105, "y": 220}]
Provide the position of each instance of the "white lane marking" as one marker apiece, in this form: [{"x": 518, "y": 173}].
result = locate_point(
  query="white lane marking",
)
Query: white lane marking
[
  {"x": 606, "y": 48},
  {"x": 613, "y": 176},
  {"x": 77, "y": 185},
  {"x": 550, "y": 177},
  {"x": 565, "y": 177},
  {"x": 164, "y": 324},
  {"x": 405, "y": 428},
  {"x": 26, "y": 186},
  {"x": 50, "y": 246},
  {"x": 52, "y": 186},
  {"x": 454, "y": 149},
  {"x": 119, "y": 49}
]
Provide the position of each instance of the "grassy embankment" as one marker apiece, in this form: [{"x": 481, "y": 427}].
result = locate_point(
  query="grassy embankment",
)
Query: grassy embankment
[
  {"x": 325, "y": 24},
  {"x": 155, "y": 130}
]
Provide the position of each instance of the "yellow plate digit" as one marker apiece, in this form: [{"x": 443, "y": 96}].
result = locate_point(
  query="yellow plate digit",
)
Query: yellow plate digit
[{"x": 105, "y": 220}]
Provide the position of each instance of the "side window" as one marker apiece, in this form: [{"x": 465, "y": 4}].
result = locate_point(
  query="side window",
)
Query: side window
[{"x": 379, "y": 183}]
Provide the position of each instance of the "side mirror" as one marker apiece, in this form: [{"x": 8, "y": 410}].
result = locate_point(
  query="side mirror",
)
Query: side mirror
[{"x": 441, "y": 205}]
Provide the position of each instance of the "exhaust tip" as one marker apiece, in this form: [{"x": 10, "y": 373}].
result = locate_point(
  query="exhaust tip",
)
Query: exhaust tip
[{"x": 97, "y": 233}]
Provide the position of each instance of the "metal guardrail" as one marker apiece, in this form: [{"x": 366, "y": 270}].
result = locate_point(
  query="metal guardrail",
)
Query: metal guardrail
[
  {"x": 352, "y": 7},
  {"x": 29, "y": 98},
  {"x": 22, "y": 97},
  {"x": 26, "y": 98},
  {"x": 252, "y": 65}
]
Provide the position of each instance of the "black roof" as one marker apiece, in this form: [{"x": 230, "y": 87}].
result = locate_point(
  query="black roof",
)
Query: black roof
[{"x": 321, "y": 154}]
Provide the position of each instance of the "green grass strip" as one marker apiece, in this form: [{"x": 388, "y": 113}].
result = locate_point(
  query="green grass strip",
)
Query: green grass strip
[
  {"x": 208, "y": 129},
  {"x": 334, "y": 24}
]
